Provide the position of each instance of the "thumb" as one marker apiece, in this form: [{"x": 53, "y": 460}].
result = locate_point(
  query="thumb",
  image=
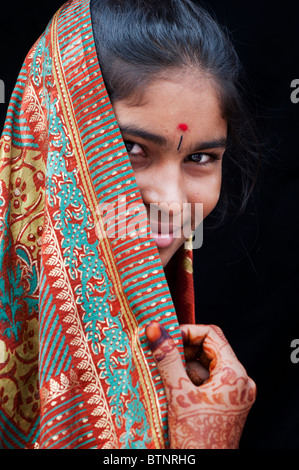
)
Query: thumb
[{"x": 166, "y": 355}]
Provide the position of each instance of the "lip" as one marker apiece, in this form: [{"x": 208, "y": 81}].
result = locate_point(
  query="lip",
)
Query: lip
[
  {"x": 165, "y": 229},
  {"x": 163, "y": 240},
  {"x": 164, "y": 234}
]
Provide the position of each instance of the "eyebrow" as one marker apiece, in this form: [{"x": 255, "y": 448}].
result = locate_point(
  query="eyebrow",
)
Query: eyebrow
[
  {"x": 163, "y": 142},
  {"x": 138, "y": 132}
]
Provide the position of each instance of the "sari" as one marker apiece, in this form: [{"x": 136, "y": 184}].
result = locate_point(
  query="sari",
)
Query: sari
[{"x": 76, "y": 370}]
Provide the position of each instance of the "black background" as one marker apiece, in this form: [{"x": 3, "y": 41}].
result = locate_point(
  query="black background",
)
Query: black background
[{"x": 246, "y": 273}]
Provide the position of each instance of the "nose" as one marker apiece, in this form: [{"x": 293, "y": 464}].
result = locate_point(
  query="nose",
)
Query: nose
[
  {"x": 164, "y": 186},
  {"x": 164, "y": 194}
]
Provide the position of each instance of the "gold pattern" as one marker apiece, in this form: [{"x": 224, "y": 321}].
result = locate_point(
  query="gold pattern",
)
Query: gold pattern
[{"x": 145, "y": 378}]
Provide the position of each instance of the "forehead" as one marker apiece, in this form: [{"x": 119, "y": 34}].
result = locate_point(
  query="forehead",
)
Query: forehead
[{"x": 186, "y": 103}]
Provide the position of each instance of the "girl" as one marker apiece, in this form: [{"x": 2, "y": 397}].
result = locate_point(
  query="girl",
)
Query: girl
[{"x": 125, "y": 125}]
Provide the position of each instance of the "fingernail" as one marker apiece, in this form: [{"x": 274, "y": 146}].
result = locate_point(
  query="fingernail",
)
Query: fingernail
[
  {"x": 153, "y": 332},
  {"x": 156, "y": 335}
]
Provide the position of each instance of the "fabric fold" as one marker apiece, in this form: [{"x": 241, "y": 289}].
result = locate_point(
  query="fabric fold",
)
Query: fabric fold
[{"x": 80, "y": 273}]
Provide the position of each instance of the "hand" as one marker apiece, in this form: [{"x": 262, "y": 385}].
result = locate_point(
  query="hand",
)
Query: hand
[{"x": 210, "y": 415}]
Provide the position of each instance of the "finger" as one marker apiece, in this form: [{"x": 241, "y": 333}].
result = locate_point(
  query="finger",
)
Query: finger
[
  {"x": 193, "y": 338},
  {"x": 215, "y": 348},
  {"x": 192, "y": 353},
  {"x": 195, "y": 334},
  {"x": 197, "y": 373},
  {"x": 166, "y": 355},
  {"x": 192, "y": 346}
]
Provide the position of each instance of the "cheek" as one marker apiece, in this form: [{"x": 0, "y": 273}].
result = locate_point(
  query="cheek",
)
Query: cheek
[
  {"x": 207, "y": 192},
  {"x": 142, "y": 180}
]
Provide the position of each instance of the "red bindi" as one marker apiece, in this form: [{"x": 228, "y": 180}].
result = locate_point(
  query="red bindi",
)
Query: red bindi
[{"x": 183, "y": 127}]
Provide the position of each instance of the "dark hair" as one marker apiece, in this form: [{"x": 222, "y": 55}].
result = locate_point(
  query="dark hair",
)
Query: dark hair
[{"x": 140, "y": 40}]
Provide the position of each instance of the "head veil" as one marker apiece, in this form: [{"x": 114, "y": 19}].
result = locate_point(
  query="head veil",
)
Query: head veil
[{"x": 80, "y": 274}]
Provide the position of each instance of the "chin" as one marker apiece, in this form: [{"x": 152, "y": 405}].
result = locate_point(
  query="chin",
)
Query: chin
[
  {"x": 164, "y": 258},
  {"x": 167, "y": 253}
]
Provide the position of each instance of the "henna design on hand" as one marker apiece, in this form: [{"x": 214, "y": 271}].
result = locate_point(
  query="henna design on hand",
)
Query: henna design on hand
[{"x": 213, "y": 414}]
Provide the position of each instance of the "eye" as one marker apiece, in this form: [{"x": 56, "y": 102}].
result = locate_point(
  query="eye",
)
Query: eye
[
  {"x": 133, "y": 149},
  {"x": 202, "y": 158}
]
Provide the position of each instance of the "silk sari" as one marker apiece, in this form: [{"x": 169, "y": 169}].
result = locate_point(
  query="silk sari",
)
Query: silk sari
[{"x": 76, "y": 370}]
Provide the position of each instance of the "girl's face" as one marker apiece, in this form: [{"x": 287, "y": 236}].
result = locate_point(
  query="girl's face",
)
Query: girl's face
[{"x": 176, "y": 139}]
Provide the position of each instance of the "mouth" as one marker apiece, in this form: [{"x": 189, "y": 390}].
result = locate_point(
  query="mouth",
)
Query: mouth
[
  {"x": 165, "y": 234},
  {"x": 163, "y": 240}
]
